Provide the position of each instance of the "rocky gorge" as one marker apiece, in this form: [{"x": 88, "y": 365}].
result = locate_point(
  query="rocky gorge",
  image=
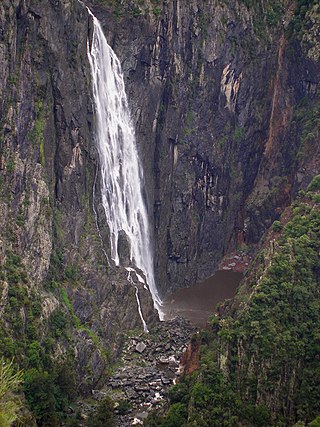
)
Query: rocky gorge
[
  {"x": 224, "y": 97},
  {"x": 151, "y": 365}
]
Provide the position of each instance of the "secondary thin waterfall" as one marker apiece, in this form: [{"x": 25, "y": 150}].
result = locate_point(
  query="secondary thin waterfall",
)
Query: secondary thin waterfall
[{"x": 121, "y": 171}]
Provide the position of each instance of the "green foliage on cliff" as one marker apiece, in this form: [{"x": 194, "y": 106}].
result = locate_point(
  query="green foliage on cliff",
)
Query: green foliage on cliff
[
  {"x": 104, "y": 415},
  {"x": 307, "y": 118},
  {"x": 37, "y": 134},
  {"x": 49, "y": 383},
  {"x": 266, "y": 15},
  {"x": 49, "y": 389},
  {"x": 259, "y": 365},
  {"x": 9, "y": 402},
  {"x": 297, "y": 23},
  {"x": 133, "y": 8}
]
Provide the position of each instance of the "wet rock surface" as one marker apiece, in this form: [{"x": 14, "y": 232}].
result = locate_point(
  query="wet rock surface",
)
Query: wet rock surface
[
  {"x": 144, "y": 376},
  {"x": 216, "y": 132}
]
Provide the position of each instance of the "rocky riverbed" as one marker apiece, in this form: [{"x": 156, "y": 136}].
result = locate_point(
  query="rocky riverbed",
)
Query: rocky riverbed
[{"x": 149, "y": 365}]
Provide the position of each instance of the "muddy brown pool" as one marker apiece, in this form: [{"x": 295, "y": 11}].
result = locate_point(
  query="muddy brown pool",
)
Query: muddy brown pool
[{"x": 198, "y": 303}]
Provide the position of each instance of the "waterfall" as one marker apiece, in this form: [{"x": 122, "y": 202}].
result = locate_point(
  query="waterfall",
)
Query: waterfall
[{"x": 121, "y": 171}]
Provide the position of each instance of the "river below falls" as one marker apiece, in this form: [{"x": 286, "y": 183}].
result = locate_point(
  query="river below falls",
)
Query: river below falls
[
  {"x": 198, "y": 302},
  {"x": 150, "y": 363}
]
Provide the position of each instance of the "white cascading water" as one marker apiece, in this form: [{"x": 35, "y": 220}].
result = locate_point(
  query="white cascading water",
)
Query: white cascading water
[{"x": 121, "y": 171}]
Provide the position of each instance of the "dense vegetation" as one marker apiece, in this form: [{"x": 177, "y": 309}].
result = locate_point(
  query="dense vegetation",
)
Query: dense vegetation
[
  {"x": 9, "y": 401},
  {"x": 49, "y": 381},
  {"x": 49, "y": 384},
  {"x": 259, "y": 364}
]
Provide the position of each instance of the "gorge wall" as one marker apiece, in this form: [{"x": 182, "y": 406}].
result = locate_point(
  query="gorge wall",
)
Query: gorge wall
[
  {"x": 219, "y": 93},
  {"x": 257, "y": 363},
  {"x": 225, "y": 98},
  {"x": 55, "y": 279}
]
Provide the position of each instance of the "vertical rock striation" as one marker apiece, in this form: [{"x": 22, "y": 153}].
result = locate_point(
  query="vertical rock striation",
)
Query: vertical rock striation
[
  {"x": 225, "y": 100},
  {"x": 217, "y": 93},
  {"x": 51, "y": 252}
]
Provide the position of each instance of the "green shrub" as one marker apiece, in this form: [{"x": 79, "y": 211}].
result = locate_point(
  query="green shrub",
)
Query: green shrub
[
  {"x": 34, "y": 355},
  {"x": 104, "y": 415},
  {"x": 39, "y": 389},
  {"x": 315, "y": 422},
  {"x": 58, "y": 323},
  {"x": 277, "y": 226},
  {"x": 178, "y": 393},
  {"x": 9, "y": 402},
  {"x": 315, "y": 184},
  {"x": 49, "y": 390},
  {"x": 123, "y": 406},
  {"x": 71, "y": 272},
  {"x": 177, "y": 415}
]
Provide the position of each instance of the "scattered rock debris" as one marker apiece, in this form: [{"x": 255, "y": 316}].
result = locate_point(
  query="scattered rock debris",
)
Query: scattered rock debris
[{"x": 149, "y": 365}]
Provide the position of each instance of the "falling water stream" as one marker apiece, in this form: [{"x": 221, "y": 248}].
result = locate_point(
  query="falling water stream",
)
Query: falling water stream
[{"x": 121, "y": 171}]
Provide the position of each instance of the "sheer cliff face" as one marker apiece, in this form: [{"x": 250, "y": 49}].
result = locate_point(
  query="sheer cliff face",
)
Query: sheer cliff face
[
  {"x": 217, "y": 91},
  {"x": 224, "y": 101},
  {"x": 50, "y": 250}
]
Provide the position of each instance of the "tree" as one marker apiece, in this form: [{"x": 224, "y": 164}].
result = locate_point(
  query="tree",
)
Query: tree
[
  {"x": 104, "y": 415},
  {"x": 9, "y": 402}
]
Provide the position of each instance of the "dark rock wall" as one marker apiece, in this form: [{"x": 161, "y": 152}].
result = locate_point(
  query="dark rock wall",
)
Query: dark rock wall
[
  {"x": 224, "y": 100},
  {"x": 48, "y": 167},
  {"x": 215, "y": 88}
]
